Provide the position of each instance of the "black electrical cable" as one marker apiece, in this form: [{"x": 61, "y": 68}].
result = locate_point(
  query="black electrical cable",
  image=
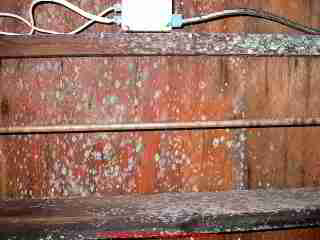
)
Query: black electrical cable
[{"x": 252, "y": 13}]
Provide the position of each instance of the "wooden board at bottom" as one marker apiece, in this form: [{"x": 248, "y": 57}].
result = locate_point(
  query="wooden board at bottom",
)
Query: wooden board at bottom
[{"x": 160, "y": 215}]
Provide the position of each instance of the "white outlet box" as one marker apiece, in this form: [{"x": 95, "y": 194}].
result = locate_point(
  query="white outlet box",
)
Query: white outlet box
[{"x": 146, "y": 15}]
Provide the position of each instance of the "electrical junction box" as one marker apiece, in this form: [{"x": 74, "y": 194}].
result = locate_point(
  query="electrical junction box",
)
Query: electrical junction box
[{"x": 146, "y": 15}]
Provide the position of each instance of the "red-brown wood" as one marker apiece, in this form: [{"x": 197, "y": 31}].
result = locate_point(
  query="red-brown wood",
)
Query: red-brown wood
[
  {"x": 74, "y": 90},
  {"x": 160, "y": 215}
]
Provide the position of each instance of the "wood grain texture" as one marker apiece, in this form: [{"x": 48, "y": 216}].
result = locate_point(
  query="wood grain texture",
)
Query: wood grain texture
[
  {"x": 279, "y": 88},
  {"x": 3, "y": 172},
  {"x": 146, "y": 44},
  {"x": 301, "y": 234},
  {"x": 38, "y": 92},
  {"x": 160, "y": 213},
  {"x": 6, "y": 5}
]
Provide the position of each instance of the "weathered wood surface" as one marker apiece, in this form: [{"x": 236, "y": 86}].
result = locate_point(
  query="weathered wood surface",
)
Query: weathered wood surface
[
  {"x": 161, "y": 214},
  {"x": 55, "y": 91},
  {"x": 164, "y": 126},
  {"x": 156, "y": 44}
]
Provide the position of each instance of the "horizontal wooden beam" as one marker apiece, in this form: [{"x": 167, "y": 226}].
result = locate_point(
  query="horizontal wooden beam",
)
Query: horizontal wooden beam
[
  {"x": 168, "y": 44},
  {"x": 158, "y": 215},
  {"x": 164, "y": 126}
]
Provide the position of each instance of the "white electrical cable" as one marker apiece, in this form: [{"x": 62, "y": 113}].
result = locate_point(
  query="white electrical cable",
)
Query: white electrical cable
[
  {"x": 70, "y": 6},
  {"x": 210, "y": 16},
  {"x": 87, "y": 24},
  {"x": 91, "y": 17},
  {"x": 179, "y": 22},
  {"x": 17, "y": 17}
]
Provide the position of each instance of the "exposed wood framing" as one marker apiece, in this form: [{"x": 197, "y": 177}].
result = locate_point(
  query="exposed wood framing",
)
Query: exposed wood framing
[
  {"x": 163, "y": 126},
  {"x": 161, "y": 214},
  {"x": 145, "y": 44}
]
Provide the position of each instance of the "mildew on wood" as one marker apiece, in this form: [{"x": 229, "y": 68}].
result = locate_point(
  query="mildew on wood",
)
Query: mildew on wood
[
  {"x": 167, "y": 213},
  {"x": 148, "y": 44}
]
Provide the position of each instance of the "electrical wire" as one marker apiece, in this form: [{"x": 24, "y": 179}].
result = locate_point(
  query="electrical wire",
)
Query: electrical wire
[
  {"x": 253, "y": 13},
  {"x": 17, "y": 17},
  {"x": 89, "y": 23},
  {"x": 117, "y": 8},
  {"x": 93, "y": 18},
  {"x": 32, "y": 24}
]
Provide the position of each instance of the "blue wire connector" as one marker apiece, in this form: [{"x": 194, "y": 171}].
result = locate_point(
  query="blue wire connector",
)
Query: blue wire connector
[{"x": 176, "y": 21}]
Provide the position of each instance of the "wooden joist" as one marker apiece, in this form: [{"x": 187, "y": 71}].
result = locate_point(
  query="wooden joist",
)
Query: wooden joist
[
  {"x": 167, "y": 44},
  {"x": 159, "y": 214}
]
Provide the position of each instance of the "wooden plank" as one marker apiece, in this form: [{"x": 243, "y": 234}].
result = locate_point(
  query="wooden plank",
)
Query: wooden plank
[
  {"x": 3, "y": 174},
  {"x": 211, "y": 99},
  {"x": 285, "y": 87},
  {"x": 279, "y": 88},
  {"x": 6, "y": 5},
  {"x": 175, "y": 43},
  {"x": 163, "y": 126},
  {"x": 161, "y": 214},
  {"x": 301, "y": 234}
]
